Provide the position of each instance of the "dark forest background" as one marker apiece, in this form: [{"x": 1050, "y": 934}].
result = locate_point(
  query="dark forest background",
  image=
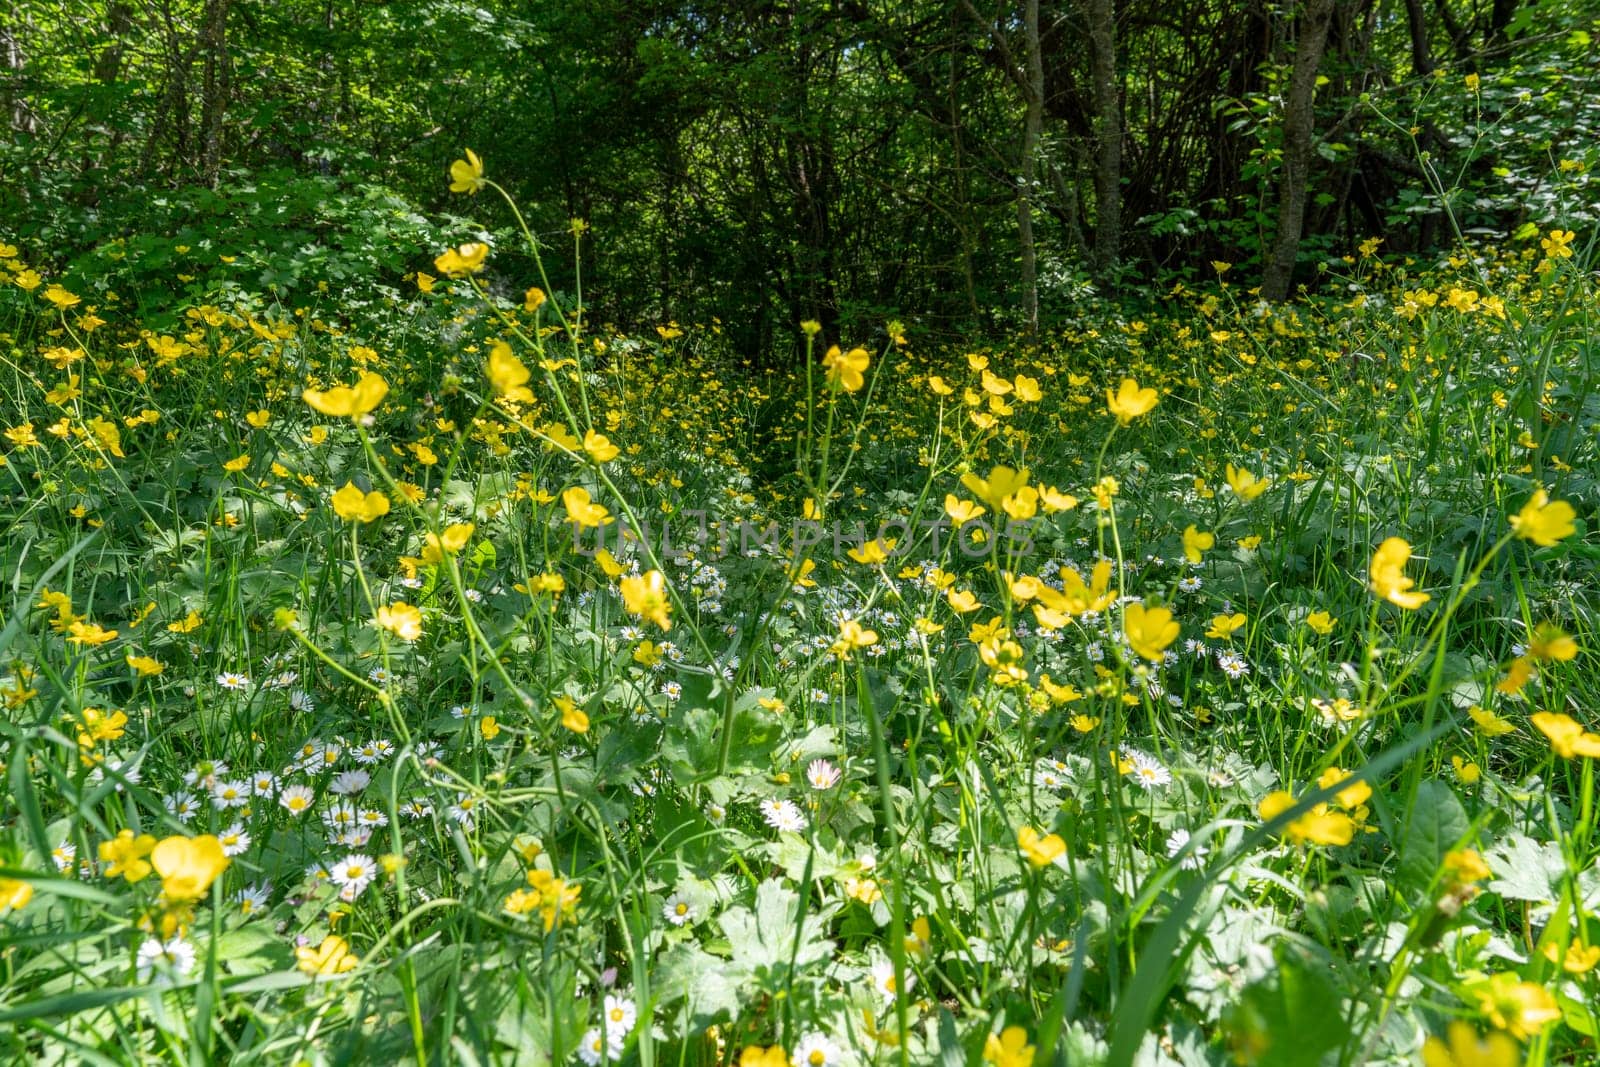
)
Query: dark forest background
[{"x": 961, "y": 164}]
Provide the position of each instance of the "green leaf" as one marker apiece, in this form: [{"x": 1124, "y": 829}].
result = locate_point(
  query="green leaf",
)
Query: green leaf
[
  {"x": 769, "y": 940},
  {"x": 1524, "y": 869},
  {"x": 1293, "y": 1017},
  {"x": 1437, "y": 824}
]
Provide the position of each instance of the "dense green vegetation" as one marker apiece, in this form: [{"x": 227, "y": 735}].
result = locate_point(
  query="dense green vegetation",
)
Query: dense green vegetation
[{"x": 835, "y": 534}]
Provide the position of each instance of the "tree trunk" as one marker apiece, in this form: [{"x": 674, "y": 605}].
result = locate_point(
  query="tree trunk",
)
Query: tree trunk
[
  {"x": 1298, "y": 147},
  {"x": 1032, "y": 125},
  {"x": 214, "y": 94},
  {"x": 1421, "y": 53},
  {"x": 15, "y": 106},
  {"x": 1107, "y": 136}
]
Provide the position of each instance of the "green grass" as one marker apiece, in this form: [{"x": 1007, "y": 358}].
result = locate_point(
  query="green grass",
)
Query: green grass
[{"x": 792, "y": 819}]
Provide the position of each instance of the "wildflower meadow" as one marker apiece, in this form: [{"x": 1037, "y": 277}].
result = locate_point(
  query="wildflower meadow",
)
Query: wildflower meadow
[{"x": 402, "y": 663}]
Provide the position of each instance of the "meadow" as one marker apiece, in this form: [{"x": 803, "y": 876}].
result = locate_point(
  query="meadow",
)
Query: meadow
[{"x": 444, "y": 677}]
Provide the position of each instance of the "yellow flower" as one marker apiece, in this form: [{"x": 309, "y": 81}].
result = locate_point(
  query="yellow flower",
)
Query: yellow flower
[
  {"x": 237, "y": 464},
  {"x": 489, "y": 727},
  {"x": 1005, "y": 659},
  {"x": 1465, "y": 866},
  {"x": 1023, "y": 504},
  {"x": 961, "y": 511},
  {"x": 1129, "y": 401},
  {"x": 1055, "y": 500},
  {"x": 1041, "y": 849},
  {"x": 352, "y": 505},
  {"x": 109, "y": 436},
  {"x": 1471, "y": 82},
  {"x": 402, "y": 620},
  {"x": 333, "y": 956},
  {"x": 756, "y": 1056},
  {"x": 1579, "y": 959},
  {"x": 872, "y": 553},
  {"x": 599, "y": 447},
  {"x": 1321, "y": 622},
  {"x": 1466, "y": 1049},
  {"x": 458, "y": 262},
  {"x": 645, "y": 595},
  {"x": 1518, "y": 671},
  {"x": 845, "y": 369},
  {"x": 1224, "y": 626},
  {"x": 582, "y": 511},
  {"x": 258, "y": 419},
  {"x": 449, "y": 541},
  {"x": 1520, "y": 1008},
  {"x": 1388, "y": 575},
  {"x": 125, "y": 855},
  {"x": 1551, "y": 642},
  {"x": 97, "y": 726},
  {"x": 1466, "y": 770},
  {"x": 1149, "y": 630},
  {"x": 1556, "y": 245},
  {"x": 14, "y": 894},
  {"x": 962, "y": 601},
  {"x": 1319, "y": 826},
  {"x": 1195, "y": 543},
  {"x": 87, "y": 633},
  {"x": 1002, "y": 483},
  {"x": 1009, "y": 1048},
  {"x": 145, "y": 665},
  {"x": 345, "y": 401},
  {"x": 1543, "y": 522},
  {"x": 1567, "y": 736},
  {"x": 1245, "y": 485},
  {"x": 1490, "y": 724},
  {"x": 544, "y": 583},
  {"x": 852, "y": 635},
  {"x": 466, "y": 175},
  {"x": 572, "y": 716},
  {"x": 60, "y": 297},
  {"x": 508, "y": 375},
  {"x": 188, "y": 866}
]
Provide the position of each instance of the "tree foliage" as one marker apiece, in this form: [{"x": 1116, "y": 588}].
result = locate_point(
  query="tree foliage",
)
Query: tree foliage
[{"x": 763, "y": 163}]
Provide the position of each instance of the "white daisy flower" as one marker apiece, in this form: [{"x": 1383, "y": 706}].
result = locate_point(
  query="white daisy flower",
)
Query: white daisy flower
[
  {"x": 1175, "y": 844},
  {"x": 883, "y": 980},
  {"x": 463, "y": 812},
  {"x": 597, "y": 1047},
  {"x": 822, "y": 774},
  {"x": 815, "y": 1050},
  {"x": 235, "y": 840},
  {"x": 1147, "y": 772},
  {"x": 182, "y": 806},
  {"x": 782, "y": 815},
  {"x": 353, "y": 874},
  {"x": 347, "y": 783},
  {"x": 174, "y": 957},
  {"x": 620, "y": 1015},
  {"x": 297, "y": 799},
  {"x": 230, "y": 794},
  {"x": 253, "y": 898},
  {"x": 677, "y": 910}
]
